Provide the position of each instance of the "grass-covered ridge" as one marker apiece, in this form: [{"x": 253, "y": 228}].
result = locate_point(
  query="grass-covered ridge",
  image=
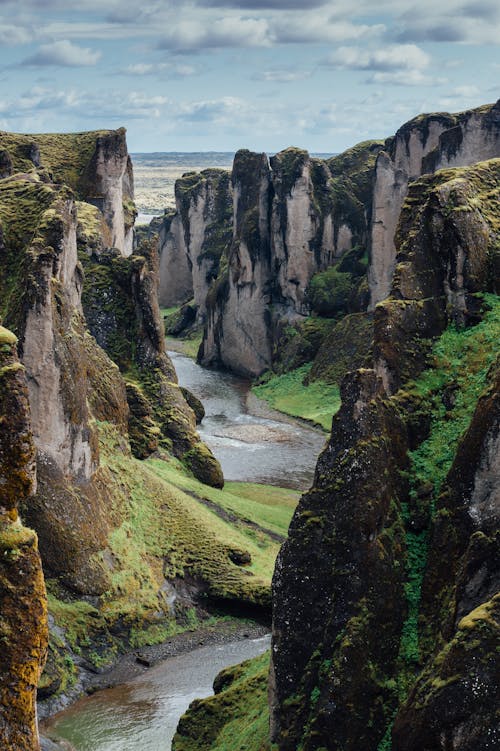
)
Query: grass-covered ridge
[
  {"x": 65, "y": 155},
  {"x": 316, "y": 402},
  {"x": 170, "y": 529},
  {"x": 236, "y": 718}
]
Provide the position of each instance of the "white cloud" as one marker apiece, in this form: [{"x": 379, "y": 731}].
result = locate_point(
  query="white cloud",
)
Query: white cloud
[
  {"x": 390, "y": 58},
  {"x": 169, "y": 70},
  {"x": 192, "y": 34},
  {"x": 63, "y": 53},
  {"x": 282, "y": 75}
]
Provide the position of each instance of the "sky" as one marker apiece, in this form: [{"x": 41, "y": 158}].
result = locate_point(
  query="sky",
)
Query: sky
[{"x": 226, "y": 74}]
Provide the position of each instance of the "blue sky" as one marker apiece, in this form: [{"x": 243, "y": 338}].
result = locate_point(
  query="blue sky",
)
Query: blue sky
[{"x": 226, "y": 74}]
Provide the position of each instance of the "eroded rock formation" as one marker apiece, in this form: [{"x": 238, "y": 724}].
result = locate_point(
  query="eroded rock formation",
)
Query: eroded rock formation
[
  {"x": 23, "y": 602},
  {"x": 383, "y": 596},
  {"x": 423, "y": 145}
]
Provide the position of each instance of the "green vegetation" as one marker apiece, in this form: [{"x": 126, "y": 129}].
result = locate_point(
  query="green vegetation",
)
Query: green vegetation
[
  {"x": 252, "y": 505},
  {"x": 65, "y": 155},
  {"x": 236, "y": 718},
  {"x": 287, "y": 393},
  {"x": 330, "y": 292},
  {"x": 450, "y": 389}
]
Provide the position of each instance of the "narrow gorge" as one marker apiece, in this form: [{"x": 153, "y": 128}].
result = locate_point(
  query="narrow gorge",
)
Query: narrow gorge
[{"x": 358, "y": 293}]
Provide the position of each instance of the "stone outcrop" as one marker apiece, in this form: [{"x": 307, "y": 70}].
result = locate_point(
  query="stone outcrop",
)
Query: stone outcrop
[
  {"x": 384, "y": 609},
  {"x": 237, "y": 333},
  {"x": 193, "y": 240},
  {"x": 293, "y": 218},
  {"x": 23, "y": 602},
  {"x": 423, "y": 145},
  {"x": 95, "y": 165}
]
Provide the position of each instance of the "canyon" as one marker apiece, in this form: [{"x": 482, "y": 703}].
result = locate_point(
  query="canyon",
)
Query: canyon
[{"x": 377, "y": 270}]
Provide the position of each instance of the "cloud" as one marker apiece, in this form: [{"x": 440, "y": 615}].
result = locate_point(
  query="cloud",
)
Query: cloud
[
  {"x": 265, "y": 4},
  {"x": 169, "y": 70},
  {"x": 224, "y": 32},
  {"x": 282, "y": 75},
  {"x": 390, "y": 58},
  {"x": 63, "y": 53},
  {"x": 14, "y": 35},
  {"x": 315, "y": 28},
  {"x": 405, "y": 78}
]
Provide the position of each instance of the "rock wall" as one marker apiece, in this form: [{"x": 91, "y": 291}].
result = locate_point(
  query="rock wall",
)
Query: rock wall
[
  {"x": 192, "y": 243},
  {"x": 301, "y": 216},
  {"x": 384, "y": 602},
  {"x": 425, "y": 144},
  {"x": 237, "y": 333},
  {"x": 95, "y": 165},
  {"x": 23, "y": 602}
]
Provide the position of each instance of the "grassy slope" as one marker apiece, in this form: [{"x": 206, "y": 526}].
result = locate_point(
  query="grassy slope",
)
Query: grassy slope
[
  {"x": 236, "y": 718},
  {"x": 287, "y": 393},
  {"x": 167, "y": 530}
]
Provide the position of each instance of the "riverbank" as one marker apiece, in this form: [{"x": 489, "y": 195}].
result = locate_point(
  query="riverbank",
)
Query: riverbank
[
  {"x": 143, "y": 710},
  {"x": 138, "y": 661}
]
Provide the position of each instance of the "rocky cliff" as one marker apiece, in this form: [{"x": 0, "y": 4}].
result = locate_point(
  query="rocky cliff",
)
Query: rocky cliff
[
  {"x": 382, "y": 599},
  {"x": 128, "y": 555},
  {"x": 23, "y": 601},
  {"x": 192, "y": 242},
  {"x": 95, "y": 165},
  {"x": 423, "y": 145},
  {"x": 292, "y": 219}
]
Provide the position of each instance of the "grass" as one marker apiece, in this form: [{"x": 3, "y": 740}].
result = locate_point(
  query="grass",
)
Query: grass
[
  {"x": 270, "y": 508},
  {"x": 188, "y": 346},
  {"x": 287, "y": 393},
  {"x": 236, "y": 718}
]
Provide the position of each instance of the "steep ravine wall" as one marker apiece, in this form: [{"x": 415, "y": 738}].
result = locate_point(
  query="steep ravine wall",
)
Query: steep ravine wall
[
  {"x": 383, "y": 616},
  {"x": 423, "y": 145},
  {"x": 95, "y": 165},
  {"x": 23, "y": 601},
  {"x": 292, "y": 218}
]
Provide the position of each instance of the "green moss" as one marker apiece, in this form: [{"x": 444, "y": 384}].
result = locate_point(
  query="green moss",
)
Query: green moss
[
  {"x": 330, "y": 292},
  {"x": 7, "y": 337},
  {"x": 65, "y": 155},
  {"x": 288, "y": 393},
  {"x": 237, "y": 717}
]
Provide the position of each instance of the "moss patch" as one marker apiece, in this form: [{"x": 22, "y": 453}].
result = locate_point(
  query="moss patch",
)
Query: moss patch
[
  {"x": 236, "y": 718},
  {"x": 316, "y": 402}
]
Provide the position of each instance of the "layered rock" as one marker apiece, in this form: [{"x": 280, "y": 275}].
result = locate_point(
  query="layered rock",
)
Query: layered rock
[
  {"x": 383, "y": 595},
  {"x": 194, "y": 240},
  {"x": 23, "y": 602},
  {"x": 237, "y": 334},
  {"x": 423, "y": 145},
  {"x": 96, "y": 165}
]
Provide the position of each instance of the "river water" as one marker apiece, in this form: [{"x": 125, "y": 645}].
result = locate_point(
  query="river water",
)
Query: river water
[
  {"x": 142, "y": 715},
  {"x": 252, "y": 442},
  {"x": 255, "y": 444}
]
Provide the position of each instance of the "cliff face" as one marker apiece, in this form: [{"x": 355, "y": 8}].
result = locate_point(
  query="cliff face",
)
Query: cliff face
[
  {"x": 95, "y": 165},
  {"x": 193, "y": 241},
  {"x": 23, "y": 602},
  {"x": 237, "y": 331},
  {"x": 423, "y": 145},
  {"x": 291, "y": 219},
  {"x": 382, "y": 596}
]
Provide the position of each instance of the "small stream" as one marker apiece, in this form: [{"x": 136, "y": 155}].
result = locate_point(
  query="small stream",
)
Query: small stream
[
  {"x": 253, "y": 443},
  {"x": 142, "y": 714}
]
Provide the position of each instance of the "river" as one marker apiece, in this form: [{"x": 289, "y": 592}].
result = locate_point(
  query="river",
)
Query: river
[{"x": 255, "y": 444}]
